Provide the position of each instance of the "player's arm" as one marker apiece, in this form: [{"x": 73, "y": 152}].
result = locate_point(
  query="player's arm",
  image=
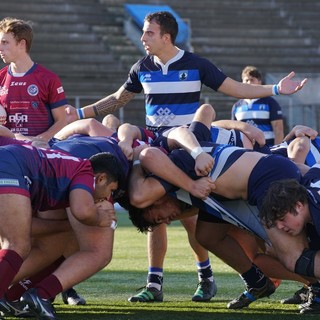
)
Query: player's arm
[
  {"x": 277, "y": 127},
  {"x": 182, "y": 137},
  {"x": 60, "y": 120},
  {"x": 5, "y": 132},
  {"x": 160, "y": 165},
  {"x": 301, "y": 131},
  {"x": 241, "y": 90},
  {"x": 90, "y": 127},
  {"x": 127, "y": 133},
  {"x": 84, "y": 209},
  {"x": 143, "y": 191},
  {"x": 105, "y": 106},
  {"x": 253, "y": 133}
]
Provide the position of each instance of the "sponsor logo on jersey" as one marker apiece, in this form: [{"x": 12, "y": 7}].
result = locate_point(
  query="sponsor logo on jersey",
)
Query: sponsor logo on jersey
[
  {"x": 9, "y": 182},
  {"x": 263, "y": 107},
  {"x": 60, "y": 90},
  {"x": 18, "y": 118},
  {"x": 146, "y": 77},
  {"x": 33, "y": 90},
  {"x": 17, "y": 84},
  {"x": 183, "y": 75}
]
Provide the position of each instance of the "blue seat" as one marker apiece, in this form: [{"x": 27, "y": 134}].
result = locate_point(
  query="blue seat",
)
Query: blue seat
[{"x": 138, "y": 12}]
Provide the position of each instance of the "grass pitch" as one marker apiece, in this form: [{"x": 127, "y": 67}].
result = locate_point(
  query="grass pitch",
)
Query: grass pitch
[{"x": 107, "y": 292}]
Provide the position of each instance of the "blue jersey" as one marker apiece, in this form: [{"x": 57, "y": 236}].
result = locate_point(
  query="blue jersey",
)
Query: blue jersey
[
  {"x": 311, "y": 181},
  {"x": 260, "y": 113},
  {"x": 85, "y": 146},
  {"x": 172, "y": 91},
  {"x": 45, "y": 176},
  {"x": 224, "y": 155},
  {"x": 224, "y": 136},
  {"x": 313, "y": 155},
  {"x": 268, "y": 169}
]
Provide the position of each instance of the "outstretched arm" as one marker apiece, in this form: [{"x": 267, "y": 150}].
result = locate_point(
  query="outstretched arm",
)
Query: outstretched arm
[
  {"x": 90, "y": 127},
  {"x": 102, "y": 107},
  {"x": 241, "y": 90}
]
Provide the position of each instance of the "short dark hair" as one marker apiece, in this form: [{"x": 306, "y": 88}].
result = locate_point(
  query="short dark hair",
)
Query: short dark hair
[
  {"x": 166, "y": 21},
  {"x": 136, "y": 216},
  {"x": 281, "y": 198},
  {"x": 106, "y": 162},
  {"x": 252, "y": 72}
]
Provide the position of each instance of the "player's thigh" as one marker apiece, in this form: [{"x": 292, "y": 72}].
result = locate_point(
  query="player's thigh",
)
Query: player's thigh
[
  {"x": 286, "y": 247},
  {"x": 190, "y": 224},
  {"x": 246, "y": 240},
  {"x": 91, "y": 238},
  {"x": 210, "y": 232},
  {"x": 15, "y": 226}
]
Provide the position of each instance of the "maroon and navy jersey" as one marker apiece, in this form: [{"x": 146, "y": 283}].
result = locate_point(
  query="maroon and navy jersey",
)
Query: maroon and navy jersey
[
  {"x": 45, "y": 176},
  {"x": 29, "y": 99},
  {"x": 84, "y": 147}
]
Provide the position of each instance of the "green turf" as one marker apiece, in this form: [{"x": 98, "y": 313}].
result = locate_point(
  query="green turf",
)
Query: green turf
[{"x": 107, "y": 292}]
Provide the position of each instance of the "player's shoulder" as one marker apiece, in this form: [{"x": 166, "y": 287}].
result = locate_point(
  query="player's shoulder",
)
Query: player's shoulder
[
  {"x": 145, "y": 61},
  {"x": 45, "y": 72},
  {"x": 268, "y": 100},
  {"x": 195, "y": 58}
]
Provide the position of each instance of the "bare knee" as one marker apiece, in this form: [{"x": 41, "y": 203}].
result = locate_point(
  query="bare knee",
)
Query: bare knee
[{"x": 205, "y": 113}]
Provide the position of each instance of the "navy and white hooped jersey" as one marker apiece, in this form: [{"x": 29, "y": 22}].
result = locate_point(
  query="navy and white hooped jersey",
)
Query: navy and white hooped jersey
[
  {"x": 223, "y": 136},
  {"x": 260, "y": 113},
  {"x": 224, "y": 155},
  {"x": 313, "y": 155},
  {"x": 172, "y": 91},
  {"x": 311, "y": 180},
  {"x": 269, "y": 168}
]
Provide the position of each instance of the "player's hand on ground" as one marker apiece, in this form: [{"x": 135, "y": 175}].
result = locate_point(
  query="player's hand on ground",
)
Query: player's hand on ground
[
  {"x": 202, "y": 187},
  {"x": 71, "y": 113},
  {"x": 204, "y": 164}
]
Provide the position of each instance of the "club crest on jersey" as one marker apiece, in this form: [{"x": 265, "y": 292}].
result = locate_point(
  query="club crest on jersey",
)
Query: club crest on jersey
[
  {"x": 33, "y": 90},
  {"x": 183, "y": 75}
]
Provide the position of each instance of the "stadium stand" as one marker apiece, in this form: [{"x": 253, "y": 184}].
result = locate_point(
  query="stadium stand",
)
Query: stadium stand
[
  {"x": 85, "y": 43},
  {"x": 133, "y": 25}
]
